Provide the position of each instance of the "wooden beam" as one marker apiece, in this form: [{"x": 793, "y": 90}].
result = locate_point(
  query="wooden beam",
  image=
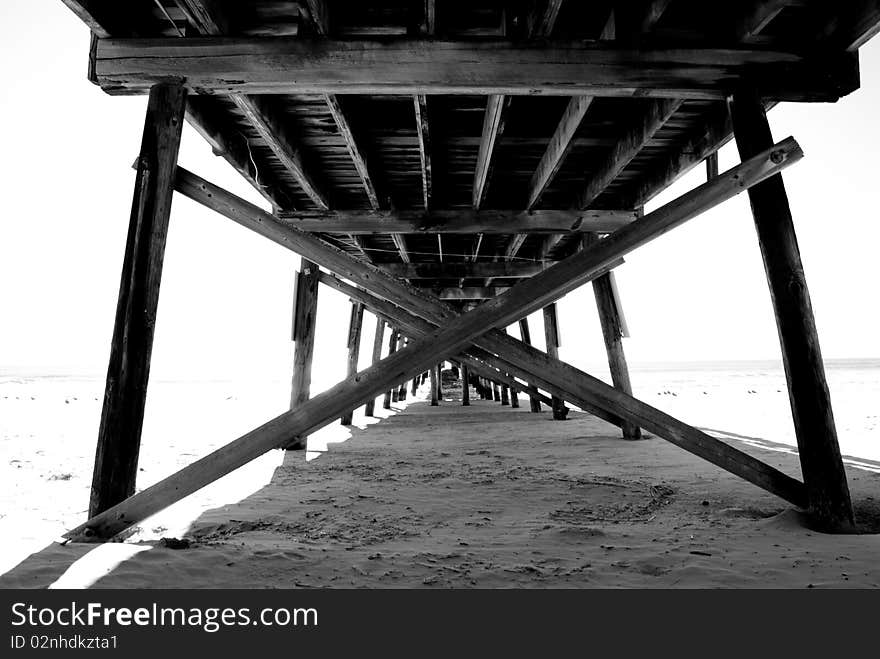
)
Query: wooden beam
[
  {"x": 711, "y": 166},
  {"x": 495, "y": 269},
  {"x": 526, "y": 336},
  {"x": 636, "y": 18},
  {"x": 400, "y": 243},
  {"x": 551, "y": 340},
  {"x": 543, "y": 20},
  {"x": 357, "y": 154},
  {"x": 206, "y": 16},
  {"x": 354, "y": 348},
  {"x": 470, "y": 292},
  {"x": 269, "y": 124},
  {"x": 122, "y": 416},
  {"x": 455, "y": 335},
  {"x": 234, "y": 148},
  {"x": 627, "y": 148},
  {"x": 376, "y": 357},
  {"x": 493, "y": 126},
  {"x": 300, "y": 66},
  {"x": 429, "y": 25},
  {"x": 755, "y": 17},
  {"x": 558, "y": 148},
  {"x": 319, "y": 16},
  {"x": 819, "y": 452},
  {"x": 612, "y": 334},
  {"x": 423, "y": 129},
  {"x": 356, "y": 222},
  {"x": 707, "y": 138}
]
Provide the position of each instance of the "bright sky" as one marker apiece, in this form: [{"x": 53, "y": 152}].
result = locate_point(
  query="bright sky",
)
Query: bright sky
[{"x": 698, "y": 293}]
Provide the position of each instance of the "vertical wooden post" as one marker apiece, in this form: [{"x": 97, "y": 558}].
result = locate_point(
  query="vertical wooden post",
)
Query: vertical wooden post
[
  {"x": 465, "y": 386},
  {"x": 505, "y": 396},
  {"x": 612, "y": 333},
  {"x": 354, "y": 348},
  {"x": 435, "y": 385},
  {"x": 401, "y": 390},
  {"x": 415, "y": 385},
  {"x": 821, "y": 463},
  {"x": 370, "y": 409},
  {"x": 305, "y": 316},
  {"x": 526, "y": 336},
  {"x": 392, "y": 348},
  {"x": 496, "y": 393},
  {"x": 551, "y": 335},
  {"x": 439, "y": 369},
  {"x": 122, "y": 417},
  {"x": 514, "y": 398}
]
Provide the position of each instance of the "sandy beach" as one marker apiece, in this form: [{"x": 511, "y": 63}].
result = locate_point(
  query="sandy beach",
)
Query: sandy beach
[{"x": 486, "y": 497}]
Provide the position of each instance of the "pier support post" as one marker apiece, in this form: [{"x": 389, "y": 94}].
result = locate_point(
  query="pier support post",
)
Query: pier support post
[
  {"x": 122, "y": 416},
  {"x": 401, "y": 390},
  {"x": 496, "y": 394},
  {"x": 505, "y": 395},
  {"x": 465, "y": 386},
  {"x": 612, "y": 333},
  {"x": 305, "y": 316},
  {"x": 526, "y": 336},
  {"x": 551, "y": 334},
  {"x": 370, "y": 409},
  {"x": 821, "y": 463},
  {"x": 435, "y": 384},
  {"x": 391, "y": 394},
  {"x": 354, "y": 348}
]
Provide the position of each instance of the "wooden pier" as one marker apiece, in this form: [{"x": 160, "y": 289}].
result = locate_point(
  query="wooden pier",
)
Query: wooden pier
[{"x": 453, "y": 169}]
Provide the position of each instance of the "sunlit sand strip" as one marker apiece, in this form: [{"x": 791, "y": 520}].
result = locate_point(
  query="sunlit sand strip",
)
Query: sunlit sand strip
[{"x": 98, "y": 563}]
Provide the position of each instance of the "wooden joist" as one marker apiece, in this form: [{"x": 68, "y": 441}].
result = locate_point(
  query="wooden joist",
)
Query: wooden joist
[
  {"x": 358, "y": 156},
  {"x": 493, "y": 126},
  {"x": 495, "y": 269},
  {"x": 470, "y": 292},
  {"x": 558, "y": 147},
  {"x": 297, "y": 66},
  {"x": 627, "y": 148},
  {"x": 756, "y": 15},
  {"x": 122, "y": 415},
  {"x": 356, "y": 222}
]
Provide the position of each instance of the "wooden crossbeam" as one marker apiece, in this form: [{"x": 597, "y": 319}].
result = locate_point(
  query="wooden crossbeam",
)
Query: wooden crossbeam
[
  {"x": 495, "y": 269},
  {"x": 457, "y": 221},
  {"x": 299, "y": 66},
  {"x": 470, "y": 292},
  {"x": 456, "y": 334},
  {"x": 542, "y": 20}
]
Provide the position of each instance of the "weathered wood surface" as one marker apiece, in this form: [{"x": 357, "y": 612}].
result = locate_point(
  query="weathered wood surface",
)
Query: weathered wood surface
[
  {"x": 493, "y": 126},
  {"x": 423, "y": 130},
  {"x": 296, "y": 66},
  {"x": 122, "y": 416},
  {"x": 818, "y": 448},
  {"x": 526, "y": 337},
  {"x": 612, "y": 334},
  {"x": 465, "y": 386},
  {"x": 551, "y": 341},
  {"x": 354, "y": 346},
  {"x": 305, "y": 316},
  {"x": 378, "y": 339},
  {"x": 464, "y": 221},
  {"x": 494, "y": 269},
  {"x": 392, "y": 348},
  {"x": 457, "y": 333},
  {"x": 358, "y": 155},
  {"x": 435, "y": 386}
]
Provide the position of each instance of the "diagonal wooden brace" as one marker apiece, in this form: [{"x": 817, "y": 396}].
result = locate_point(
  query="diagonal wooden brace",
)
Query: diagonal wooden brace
[{"x": 454, "y": 336}]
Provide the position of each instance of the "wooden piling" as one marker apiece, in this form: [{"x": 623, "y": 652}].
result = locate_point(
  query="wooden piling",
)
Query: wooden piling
[
  {"x": 435, "y": 384},
  {"x": 304, "y": 326},
  {"x": 612, "y": 333},
  {"x": 392, "y": 348},
  {"x": 818, "y": 448},
  {"x": 505, "y": 395},
  {"x": 551, "y": 335},
  {"x": 370, "y": 408},
  {"x": 122, "y": 416},
  {"x": 465, "y": 386},
  {"x": 401, "y": 390},
  {"x": 526, "y": 336},
  {"x": 354, "y": 348}
]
